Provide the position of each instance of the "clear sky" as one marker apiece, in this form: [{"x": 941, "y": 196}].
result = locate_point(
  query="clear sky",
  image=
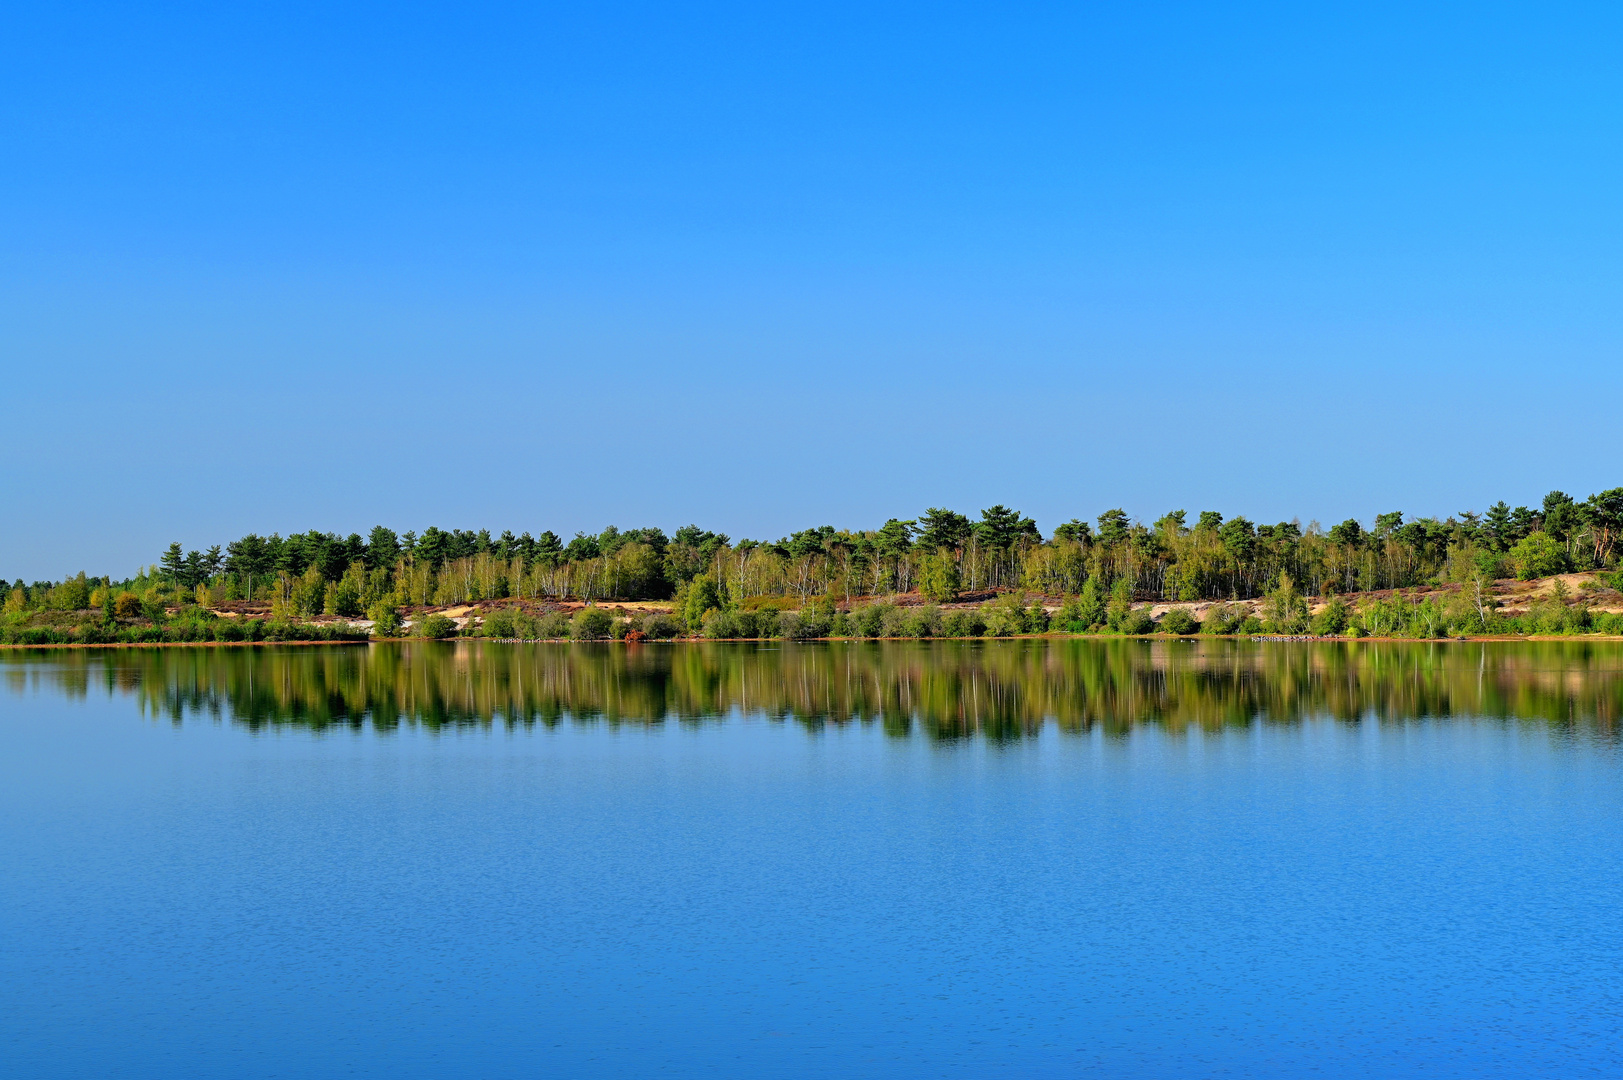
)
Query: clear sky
[{"x": 763, "y": 266}]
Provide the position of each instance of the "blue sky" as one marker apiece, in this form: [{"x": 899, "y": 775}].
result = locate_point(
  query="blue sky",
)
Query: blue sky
[{"x": 282, "y": 267}]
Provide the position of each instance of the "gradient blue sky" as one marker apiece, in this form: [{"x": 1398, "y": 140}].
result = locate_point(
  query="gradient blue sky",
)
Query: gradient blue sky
[{"x": 275, "y": 267}]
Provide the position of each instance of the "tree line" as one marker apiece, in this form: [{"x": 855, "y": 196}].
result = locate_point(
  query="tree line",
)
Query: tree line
[{"x": 941, "y": 554}]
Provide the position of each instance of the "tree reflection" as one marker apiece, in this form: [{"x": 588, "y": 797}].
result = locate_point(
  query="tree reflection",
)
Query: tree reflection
[{"x": 1002, "y": 690}]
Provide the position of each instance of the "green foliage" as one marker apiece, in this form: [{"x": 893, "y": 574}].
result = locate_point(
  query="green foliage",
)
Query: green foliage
[
  {"x": 1222, "y": 618},
  {"x": 1284, "y": 610},
  {"x": 552, "y": 626},
  {"x": 1090, "y": 606},
  {"x": 436, "y": 626},
  {"x": 701, "y": 596},
  {"x": 504, "y": 623},
  {"x": 72, "y": 595},
  {"x": 723, "y": 624},
  {"x": 310, "y": 593},
  {"x": 1120, "y": 606},
  {"x": 963, "y": 624},
  {"x": 1538, "y": 555},
  {"x": 1008, "y": 615},
  {"x": 1180, "y": 621},
  {"x": 939, "y": 579},
  {"x": 591, "y": 623},
  {"x": 1332, "y": 618},
  {"x": 1137, "y": 621},
  {"x": 344, "y": 596},
  {"x": 385, "y": 618},
  {"x": 870, "y": 620}
]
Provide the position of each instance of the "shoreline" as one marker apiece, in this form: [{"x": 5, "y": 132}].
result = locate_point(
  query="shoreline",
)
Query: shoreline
[{"x": 1260, "y": 639}]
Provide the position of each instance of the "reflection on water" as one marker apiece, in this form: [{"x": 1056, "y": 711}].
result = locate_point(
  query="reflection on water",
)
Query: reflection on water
[{"x": 945, "y": 689}]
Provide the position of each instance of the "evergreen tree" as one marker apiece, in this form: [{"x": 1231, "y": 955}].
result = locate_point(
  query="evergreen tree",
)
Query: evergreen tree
[{"x": 173, "y": 563}]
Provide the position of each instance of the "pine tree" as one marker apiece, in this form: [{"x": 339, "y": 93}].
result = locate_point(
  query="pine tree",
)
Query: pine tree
[{"x": 173, "y": 562}]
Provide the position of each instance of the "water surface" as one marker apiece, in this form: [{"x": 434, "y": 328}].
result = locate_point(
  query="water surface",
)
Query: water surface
[{"x": 1010, "y": 859}]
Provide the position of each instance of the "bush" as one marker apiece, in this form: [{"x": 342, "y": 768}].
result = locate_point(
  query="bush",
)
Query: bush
[
  {"x": 794, "y": 627},
  {"x": 701, "y": 595},
  {"x": 127, "y": 606},
  {"x": 385, "y": 619},
  {"x": 1007, "y": 615},
  {"x": 436, "y": 626},
  {"x": 499, "y": 624},
  {"x": 1332, "y": 618},
  {"x": 919, "y": 622},
  {"x": 814, "y": 623},
  {"x": 1179, "y": 621},
  {"x": 722, "y": 624},
  {"x": 591, "y": 623},
  {"x": 661, "y": 627},
  {"x": 963, "y": 624},
  {"x": 1220, "y": 619},
  {"x": 1138, "y": 621},
  {"x": 554, "y": 624},
  {"x": 870, "y": 621}
]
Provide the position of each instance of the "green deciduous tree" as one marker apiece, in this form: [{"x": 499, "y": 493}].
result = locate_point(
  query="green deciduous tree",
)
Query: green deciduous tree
[{"x": 1536, "y": 555}]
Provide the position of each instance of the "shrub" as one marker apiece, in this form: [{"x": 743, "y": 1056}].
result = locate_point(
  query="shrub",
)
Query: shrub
[
  {"x": 661, "y": 626},
  {"x": 894, "y": 622},
  {"x": 1285, "y": 608},
  {"x": 1220, "y": 619},
  {"x": 963, "y": 624},
  {"x": 554, "y": 624},
  {"x": 702, "y": 595},
  {"x": 1090, "y": 606},
  {"x": 795, "y": 626},
  {"x": 814, "y": 622},
  {"x": 1179, "y": 621},
  {"x": 436, "y": 626},
  {"x": 919, "y": 622},
  {"x": 127, "y": 606},
  {"x": 1120, "y": 606},
  {"x": 1138, "y": 621},
  {"x": 870, "y": 620},
  {"x": 499, "y": 624},
  {"x": 591, "y": 623},
  {"x": 721, "y": 624},
  {"x": 1007, "y": 615},
  {"x": 385, "y": 618},
  {"x": 1332, "y": 618}
]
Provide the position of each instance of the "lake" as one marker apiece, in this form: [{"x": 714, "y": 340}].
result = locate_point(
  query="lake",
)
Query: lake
[{"x": 1027, "y": 858}]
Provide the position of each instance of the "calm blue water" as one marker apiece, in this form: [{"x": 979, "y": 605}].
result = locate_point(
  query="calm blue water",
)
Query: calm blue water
[{"x": 750, "y": 897}]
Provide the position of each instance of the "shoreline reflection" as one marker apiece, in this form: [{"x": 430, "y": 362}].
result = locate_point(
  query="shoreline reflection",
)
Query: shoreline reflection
[{"x": 944, "y": 689}]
